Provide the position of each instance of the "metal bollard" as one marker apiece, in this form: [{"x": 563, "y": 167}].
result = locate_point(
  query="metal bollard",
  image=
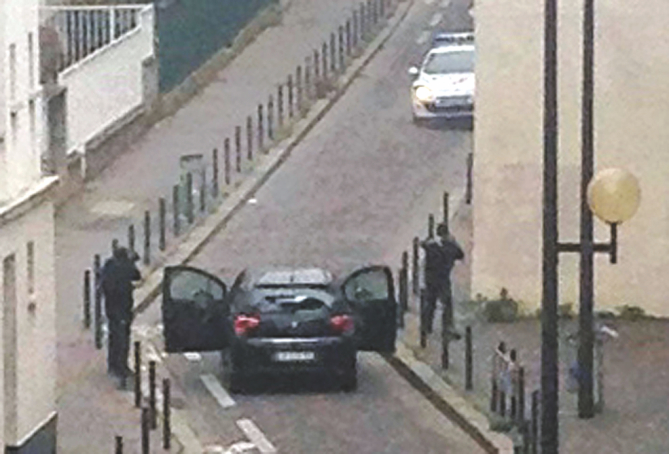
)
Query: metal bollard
[
  {"x": 97, "y": 301},
  {"x": 521, "y": 396},
  {"x": 317, "y": 68},
  {"x": 290, "y": 87},
  {"x": 333, "y": 53},
  {"x": 87, "y": 299},
  {"x": 190, "y": 212},
  {"x": 469, "y": 359},
  {"x": 146, "y": 434},
  {"x": 147, "y": 237},
  {"x": 502, "y": 392},
  {"x": 131, "y": 238},
  {"x": 226, "y": 161},
  {"x": 261, "y": 130},
  {"x": 114, "y": 245},
  {"x": 118, "y": 445},
  {"x": 382, "y": 9},
  {"x": 514, "y": 399},
  {"x": 446, "y": 209},
  {"x": 355, "y": 31},
  {"x": 324, "y": 55},
  {"x": 307, "y": 79},
  {"x": 203, "y": 191},
  {"x": 445, "y": 327},
  {"x": 152, "y": 394},
  {"x": 362, "y": 23},
  {"x": 279, "y": 105},
  {"x": 430, "y": 226},
  {"x": 270, "y": 118},
  {"x": 167, "y": 422},
  {"x": 175, "y": 209},
  {"x": 215, "y": 188},
  {"x": 238, "y": 149},
  {"x": 298, "y": 86},
  {"x": 348, "y": 37},
  {"x": 423, "y": 321},
  {"x": 400, "y": 313},
  {"x": 375, "y": 11},
  {"x": 162, "y": 213},
  {"x": 534, "y": 424},
  {"x": 404, "y": 283},
  {"x": 138, "y": 374},
  {"x": 494, "y": 394},
  {"x": 249, "y": 138},
  {"x": 470, "y": 167},
  {"x": 415, "y": 273},
  {"x": 341, "y": 49}
]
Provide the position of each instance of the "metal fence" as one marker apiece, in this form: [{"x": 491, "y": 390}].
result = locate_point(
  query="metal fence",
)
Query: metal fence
[{"x": 82, "y": 30}]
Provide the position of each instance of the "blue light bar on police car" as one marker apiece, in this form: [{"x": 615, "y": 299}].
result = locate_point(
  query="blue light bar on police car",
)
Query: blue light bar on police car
[{"x": 446, "y": 39}]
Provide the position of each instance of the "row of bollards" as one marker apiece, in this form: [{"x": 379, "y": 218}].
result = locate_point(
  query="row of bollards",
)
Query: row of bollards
[
  {"x": 149, "y": 413},
  {"x": 198, "y": 188}
]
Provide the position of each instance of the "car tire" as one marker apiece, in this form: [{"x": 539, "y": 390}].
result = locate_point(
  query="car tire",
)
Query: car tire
[
  {"x": 231, "y": 379},
  {"x": 349, "y": 379}
]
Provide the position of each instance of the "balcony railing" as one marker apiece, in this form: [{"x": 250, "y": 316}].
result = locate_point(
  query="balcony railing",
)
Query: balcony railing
[{"x": 71, "y": 33}]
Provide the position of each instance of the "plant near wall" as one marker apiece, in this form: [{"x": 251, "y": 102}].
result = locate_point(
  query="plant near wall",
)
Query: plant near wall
[
  {"x": 630, "y": 312},
  {"x": 502, "y": 310}
]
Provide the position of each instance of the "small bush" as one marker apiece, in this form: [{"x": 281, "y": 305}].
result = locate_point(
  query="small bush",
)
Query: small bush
[
  {"x": 566, "y": 311},
  {"x": 499, "y": 424},
  {"x": 632, "y": 313},
  {"x": 501, "y": 310}
]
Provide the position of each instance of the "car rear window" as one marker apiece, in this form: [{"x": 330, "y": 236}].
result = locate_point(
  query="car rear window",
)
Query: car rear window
[{"x": 290, "y": 304}]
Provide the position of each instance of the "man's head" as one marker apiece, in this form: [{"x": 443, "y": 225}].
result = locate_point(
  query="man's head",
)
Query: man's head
[
  {"x": 121, "y": 253},
  {"x": 442, "y": 231}
]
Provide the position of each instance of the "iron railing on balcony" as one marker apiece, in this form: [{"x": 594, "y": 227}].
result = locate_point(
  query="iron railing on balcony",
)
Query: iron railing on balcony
[{"x": 83, "y": 30}]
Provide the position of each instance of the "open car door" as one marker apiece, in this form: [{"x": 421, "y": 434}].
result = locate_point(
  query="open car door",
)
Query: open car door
[
  {"x": 370, "y": 291},
  {"x": 195, "y": 310}
]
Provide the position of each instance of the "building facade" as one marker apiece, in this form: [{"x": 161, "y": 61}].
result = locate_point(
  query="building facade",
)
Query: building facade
[
  {"x": 27, "y": 286},
  {"x": 630, "y": 117}
]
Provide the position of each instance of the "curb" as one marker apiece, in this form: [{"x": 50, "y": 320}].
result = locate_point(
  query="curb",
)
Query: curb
[
  {"x": 193, "y": 241},
  {"x": 448, "y": 401}
]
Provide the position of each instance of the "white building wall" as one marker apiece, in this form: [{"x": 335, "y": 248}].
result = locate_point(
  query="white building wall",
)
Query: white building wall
[
  {"x": 107, "y": 85},
  {"x": 35, "y": 316},
  {"x": 24, "y": 122},
  {"x": 631, "y": 114}
]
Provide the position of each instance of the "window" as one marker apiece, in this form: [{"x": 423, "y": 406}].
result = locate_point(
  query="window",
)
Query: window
[
  {"x": 12, "y": 72},
  {"x": 450, "y": 62},
  {"x": 30, "y": 263},
  {"x": 31, "y": 61}
]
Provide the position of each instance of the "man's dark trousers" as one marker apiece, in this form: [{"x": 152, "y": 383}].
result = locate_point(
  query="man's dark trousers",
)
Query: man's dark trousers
[
  {"x": 441, "y": 292},
  {"x": 119, "y": 346}
]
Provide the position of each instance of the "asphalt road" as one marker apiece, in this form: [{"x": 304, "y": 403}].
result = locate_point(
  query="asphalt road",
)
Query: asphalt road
[{"x": 345, "y": 197}]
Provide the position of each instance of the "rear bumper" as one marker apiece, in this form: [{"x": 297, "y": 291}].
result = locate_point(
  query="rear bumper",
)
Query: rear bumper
[{"x": 258, "y": 355}]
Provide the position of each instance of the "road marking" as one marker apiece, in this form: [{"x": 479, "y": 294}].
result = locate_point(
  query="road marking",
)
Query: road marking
[
  {"x": 429, "y": 2},
  {"x": 422, "y": 39},
  {"x": 193, "y": 356},
  {"x": 216, "y": 390},
  {"x": 436, "y": 19},
  {"x": 445, "y": 3},
  {"x": 256, "y": 436}
]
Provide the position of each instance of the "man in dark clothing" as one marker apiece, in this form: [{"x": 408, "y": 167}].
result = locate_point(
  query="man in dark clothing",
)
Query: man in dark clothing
[
  {"x": 118, "y": 275},
  {"x": 440, "y": 256}
]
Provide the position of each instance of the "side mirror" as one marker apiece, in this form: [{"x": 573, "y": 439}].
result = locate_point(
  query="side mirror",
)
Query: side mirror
[{"x": 413, "y": 71}]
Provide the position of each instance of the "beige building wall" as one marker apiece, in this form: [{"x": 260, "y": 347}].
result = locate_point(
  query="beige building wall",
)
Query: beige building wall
[{"x": 632, "y": 132}]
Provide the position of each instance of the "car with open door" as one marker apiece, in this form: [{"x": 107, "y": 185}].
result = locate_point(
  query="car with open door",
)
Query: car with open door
[{"x": 276, "y": 320}]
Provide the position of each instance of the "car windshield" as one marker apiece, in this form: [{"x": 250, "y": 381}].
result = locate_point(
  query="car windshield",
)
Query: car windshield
[{"x": 449, "y": 62}]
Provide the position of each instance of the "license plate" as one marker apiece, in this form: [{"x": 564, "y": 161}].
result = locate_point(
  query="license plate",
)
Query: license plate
[{"x": 294, "y": 356}]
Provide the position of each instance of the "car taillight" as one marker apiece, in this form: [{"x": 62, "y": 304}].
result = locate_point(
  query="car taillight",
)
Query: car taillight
[
  {"x": 342, "y": 324},
  {"x": 246, "y": 323}
]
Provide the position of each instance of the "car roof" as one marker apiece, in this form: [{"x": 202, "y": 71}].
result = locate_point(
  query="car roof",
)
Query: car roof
[{"x": 289, "y": 277}]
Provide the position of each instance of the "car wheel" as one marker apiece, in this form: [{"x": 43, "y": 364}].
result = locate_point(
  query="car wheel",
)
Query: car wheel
[
  {"x": 349, "y": 379},
  {"x": 231, "y": 379}
]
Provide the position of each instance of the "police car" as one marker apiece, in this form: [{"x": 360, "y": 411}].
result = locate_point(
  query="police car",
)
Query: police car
[{"x": 444, "y": 84}]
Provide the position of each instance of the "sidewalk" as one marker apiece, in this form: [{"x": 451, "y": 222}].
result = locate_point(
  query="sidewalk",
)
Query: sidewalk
[
  {"x": 636, "y": 365},
  {"x": 91, "y": 410}
]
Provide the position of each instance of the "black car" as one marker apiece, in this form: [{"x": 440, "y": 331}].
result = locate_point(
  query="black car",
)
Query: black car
[{"x": 281, "y": 319}]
